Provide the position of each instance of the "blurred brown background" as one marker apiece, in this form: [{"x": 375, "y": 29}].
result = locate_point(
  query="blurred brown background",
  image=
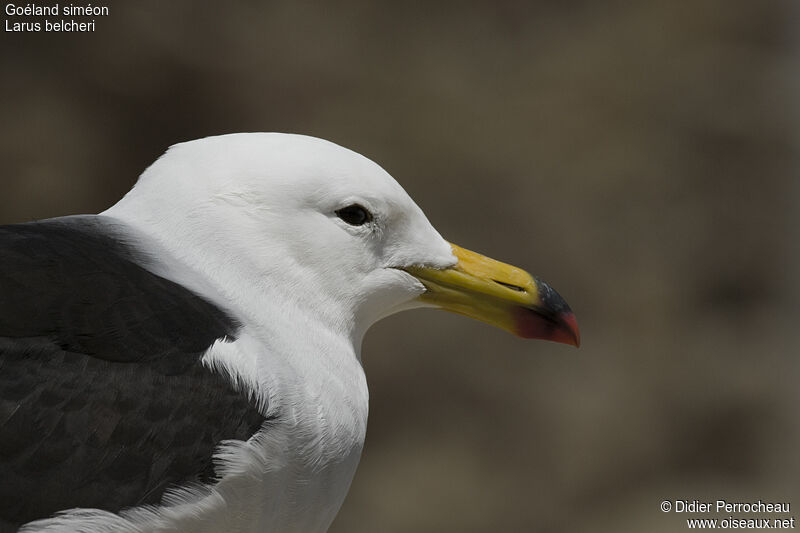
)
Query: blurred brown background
[{"x": 640, "y": 156}]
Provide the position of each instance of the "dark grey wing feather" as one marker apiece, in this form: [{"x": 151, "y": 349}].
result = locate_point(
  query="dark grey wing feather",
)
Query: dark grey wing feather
[{"x": 103, "y": 401}]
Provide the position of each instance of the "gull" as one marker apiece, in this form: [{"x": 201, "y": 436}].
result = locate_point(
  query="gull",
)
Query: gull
[{"x": 189, "y": 360}]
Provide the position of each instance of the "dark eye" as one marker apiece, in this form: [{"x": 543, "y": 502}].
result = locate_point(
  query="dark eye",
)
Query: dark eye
[{"x": 355, "y": 215}]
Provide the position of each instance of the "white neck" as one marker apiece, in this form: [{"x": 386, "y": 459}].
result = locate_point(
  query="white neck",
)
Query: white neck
[{"x": 312, "y": 383}]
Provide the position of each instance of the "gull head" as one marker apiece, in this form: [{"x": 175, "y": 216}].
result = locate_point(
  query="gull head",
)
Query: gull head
[{"x": 326, "y": 232}]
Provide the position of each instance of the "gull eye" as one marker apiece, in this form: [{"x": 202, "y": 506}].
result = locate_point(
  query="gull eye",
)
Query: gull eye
[{"x": 355, "y": 215}]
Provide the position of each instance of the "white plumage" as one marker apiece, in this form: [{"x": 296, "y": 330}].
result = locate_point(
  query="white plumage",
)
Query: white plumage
[{"x": 254, "y": 224}]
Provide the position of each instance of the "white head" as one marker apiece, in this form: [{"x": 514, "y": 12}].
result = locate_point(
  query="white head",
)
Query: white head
[
  {"x": 295, "y": 224},
  {"x": 281, "y": 216}
]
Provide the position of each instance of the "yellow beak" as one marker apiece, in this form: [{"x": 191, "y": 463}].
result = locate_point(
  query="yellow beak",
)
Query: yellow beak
[{"x": 499, "y": 294}]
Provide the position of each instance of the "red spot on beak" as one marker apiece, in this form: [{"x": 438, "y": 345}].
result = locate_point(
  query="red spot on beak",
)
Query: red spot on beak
[{"x": 534, "y": 324}]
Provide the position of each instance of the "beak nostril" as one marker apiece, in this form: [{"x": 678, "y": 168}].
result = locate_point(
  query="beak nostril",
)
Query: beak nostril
[{"x": 510, "y": 286}]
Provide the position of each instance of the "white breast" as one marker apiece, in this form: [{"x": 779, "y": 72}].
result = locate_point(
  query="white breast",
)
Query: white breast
[{"x": 295, "y": 473}]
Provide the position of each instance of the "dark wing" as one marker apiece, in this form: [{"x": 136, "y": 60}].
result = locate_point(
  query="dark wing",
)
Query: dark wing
[{"x": 103, "y": 401}]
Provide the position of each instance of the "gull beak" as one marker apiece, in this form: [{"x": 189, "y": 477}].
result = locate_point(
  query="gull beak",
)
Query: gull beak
[{"x": 499, "y": 294}]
